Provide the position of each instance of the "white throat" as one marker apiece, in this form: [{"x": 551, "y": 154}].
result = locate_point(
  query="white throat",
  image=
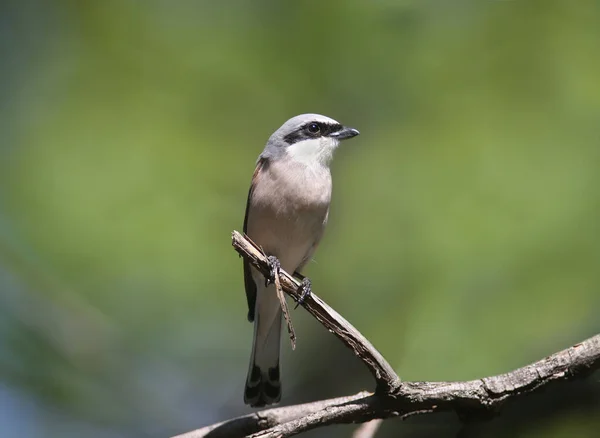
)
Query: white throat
[{"x": 314, "y": 151}]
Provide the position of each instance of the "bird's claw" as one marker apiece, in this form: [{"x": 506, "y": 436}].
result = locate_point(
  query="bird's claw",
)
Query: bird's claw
[
  {"x": 306, "y": 289},
  {"x": 274, "y": 266}
]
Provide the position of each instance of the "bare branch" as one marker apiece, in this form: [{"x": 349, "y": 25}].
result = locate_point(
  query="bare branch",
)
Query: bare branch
[
  {"x": 257, "y": 421},
  {"x": 470, "y": 399},
  {"x": 385, "y": 377}
]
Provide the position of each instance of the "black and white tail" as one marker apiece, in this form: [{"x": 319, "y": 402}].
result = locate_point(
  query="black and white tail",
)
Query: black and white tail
[{"x": 263, "y": 386}]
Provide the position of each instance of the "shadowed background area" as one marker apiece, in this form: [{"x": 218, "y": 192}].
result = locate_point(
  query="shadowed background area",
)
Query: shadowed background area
[{"x": 463, "y": 239}]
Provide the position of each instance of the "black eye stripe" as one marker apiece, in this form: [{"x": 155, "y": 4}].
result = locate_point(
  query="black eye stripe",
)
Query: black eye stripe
[
  {"x": 334, "y": 128},
  {"x": 295, "y": 137},
  {"x": 326, "y": 128},
  {"x": 303, "y": 133}
]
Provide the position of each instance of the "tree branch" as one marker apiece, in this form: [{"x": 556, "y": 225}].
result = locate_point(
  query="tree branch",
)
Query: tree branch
[
  {"x": 385, "y": 377},
  {"x": 392, "y": 398},
  {"x": 470, "y": 399},
  {"x": 257, "y": 421}
]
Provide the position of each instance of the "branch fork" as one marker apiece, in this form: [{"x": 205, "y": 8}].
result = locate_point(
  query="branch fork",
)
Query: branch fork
[{"x": 392, "y": 398}]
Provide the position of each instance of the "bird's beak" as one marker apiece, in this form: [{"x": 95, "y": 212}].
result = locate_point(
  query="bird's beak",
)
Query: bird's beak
[{"x": 345, "y": 133}]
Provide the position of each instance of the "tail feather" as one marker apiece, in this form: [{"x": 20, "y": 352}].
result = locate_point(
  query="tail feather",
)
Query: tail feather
[{"x": 263, "y": 385}]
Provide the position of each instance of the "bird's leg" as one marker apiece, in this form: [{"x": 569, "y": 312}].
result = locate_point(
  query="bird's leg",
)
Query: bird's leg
[
  {"x": 274, "y": 266},
  {"x": 305, "y": 287}
]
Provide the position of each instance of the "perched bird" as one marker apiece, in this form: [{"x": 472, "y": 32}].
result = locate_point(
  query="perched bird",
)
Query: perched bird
[{"x": 286, "y": 214}]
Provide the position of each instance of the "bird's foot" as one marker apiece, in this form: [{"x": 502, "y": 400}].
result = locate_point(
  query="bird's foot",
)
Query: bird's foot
[
  {"x": 306, "y": 289},
  {"x": 274, "y": 266}
]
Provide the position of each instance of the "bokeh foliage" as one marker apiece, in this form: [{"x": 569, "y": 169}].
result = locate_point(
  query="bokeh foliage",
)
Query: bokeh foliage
[{"x": 463, "y": 238}]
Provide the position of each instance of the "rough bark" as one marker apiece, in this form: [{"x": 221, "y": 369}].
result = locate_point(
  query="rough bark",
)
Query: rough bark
[{"x": 472, "y": 399}]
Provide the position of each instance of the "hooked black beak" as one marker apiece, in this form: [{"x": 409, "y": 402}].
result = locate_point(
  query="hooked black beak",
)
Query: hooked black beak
[{"x": 345, "y": 133}]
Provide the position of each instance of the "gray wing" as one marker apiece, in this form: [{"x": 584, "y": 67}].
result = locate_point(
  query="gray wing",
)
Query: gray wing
[{"x": 249, "y": 283}]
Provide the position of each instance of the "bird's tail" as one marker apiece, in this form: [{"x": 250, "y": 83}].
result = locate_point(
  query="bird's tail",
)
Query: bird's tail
[{"x": 263, "y": 386}]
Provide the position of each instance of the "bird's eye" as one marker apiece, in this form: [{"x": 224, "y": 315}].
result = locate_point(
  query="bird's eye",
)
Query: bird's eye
[{"x": 314, "y": 128}]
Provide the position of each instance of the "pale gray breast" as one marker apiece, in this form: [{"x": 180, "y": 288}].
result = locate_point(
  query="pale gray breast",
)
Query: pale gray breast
[{"x": 289, "y": 209}]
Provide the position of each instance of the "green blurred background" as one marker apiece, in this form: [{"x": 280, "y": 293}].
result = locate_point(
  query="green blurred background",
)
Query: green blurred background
[{"x": 463, "y": 238}]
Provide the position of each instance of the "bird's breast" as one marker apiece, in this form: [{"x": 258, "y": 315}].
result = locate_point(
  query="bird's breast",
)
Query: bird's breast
[
  {"x": 288, "y": 210},
  {"x": 293, "y": 189}
]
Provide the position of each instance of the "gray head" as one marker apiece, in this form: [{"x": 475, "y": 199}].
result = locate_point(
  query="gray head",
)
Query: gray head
[{"x": 307, "y": 138}]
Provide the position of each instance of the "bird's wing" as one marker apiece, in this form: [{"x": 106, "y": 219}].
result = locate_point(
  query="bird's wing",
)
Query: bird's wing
[{"x": 249, "y": 283}]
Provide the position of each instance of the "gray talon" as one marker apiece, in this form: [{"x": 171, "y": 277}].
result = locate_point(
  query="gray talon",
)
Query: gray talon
[
  {"x": 306, "y": 289},
  {"x": 274, "y": 266}
]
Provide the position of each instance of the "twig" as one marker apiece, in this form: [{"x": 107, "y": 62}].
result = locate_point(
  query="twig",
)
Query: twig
[
  {"x": 285, "y": 311},
  {"x": 280, "y": 296},
  {"x": 385, "y": 377}
]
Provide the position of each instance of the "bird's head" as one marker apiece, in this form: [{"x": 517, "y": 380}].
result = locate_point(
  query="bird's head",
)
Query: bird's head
[{"x": 308, "y": 138}]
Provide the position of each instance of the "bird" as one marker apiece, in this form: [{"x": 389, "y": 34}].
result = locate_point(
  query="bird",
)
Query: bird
[{"x": 286, "y": 213}]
